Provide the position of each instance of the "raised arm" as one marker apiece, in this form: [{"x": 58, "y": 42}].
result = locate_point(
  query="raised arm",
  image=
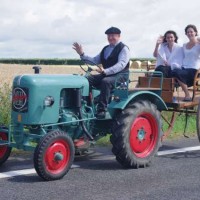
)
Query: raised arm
[
  {"x": 90, "y": 60},
  {"x": 158, "y": 42}
]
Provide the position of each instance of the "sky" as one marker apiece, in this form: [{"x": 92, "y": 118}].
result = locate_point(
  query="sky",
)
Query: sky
[{"x": 48, "y": 28}]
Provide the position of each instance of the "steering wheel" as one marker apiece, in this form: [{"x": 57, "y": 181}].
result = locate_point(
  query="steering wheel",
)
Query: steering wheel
[{"x": 89, "y": 68}]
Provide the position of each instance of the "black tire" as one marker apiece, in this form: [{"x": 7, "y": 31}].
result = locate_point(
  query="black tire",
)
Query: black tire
[
  {"x": 5, "y": 150},
  {"x": 198, "y": 122},
  {"x": 142, "y": 122},
  {"x": 55, "y": 143}
]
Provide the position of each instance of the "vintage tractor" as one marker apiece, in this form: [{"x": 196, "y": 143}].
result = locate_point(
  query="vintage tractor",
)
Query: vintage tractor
[{"x": 53, "y": 114}]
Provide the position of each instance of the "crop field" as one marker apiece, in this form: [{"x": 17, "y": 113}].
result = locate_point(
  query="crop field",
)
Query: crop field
[{"x": 9, "y": 71}]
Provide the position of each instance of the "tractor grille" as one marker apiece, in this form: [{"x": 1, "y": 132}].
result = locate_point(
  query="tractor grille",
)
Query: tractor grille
[{"x": 20, "y": 99}]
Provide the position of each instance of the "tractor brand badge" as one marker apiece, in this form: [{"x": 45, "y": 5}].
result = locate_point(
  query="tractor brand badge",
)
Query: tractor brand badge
[{"x": 20, "y": 99}]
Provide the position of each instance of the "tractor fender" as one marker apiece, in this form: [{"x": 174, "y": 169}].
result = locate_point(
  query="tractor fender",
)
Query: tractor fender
[{"x": 137, "y": 96}]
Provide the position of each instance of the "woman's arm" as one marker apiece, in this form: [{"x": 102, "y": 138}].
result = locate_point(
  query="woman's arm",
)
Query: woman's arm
[{"x": 158, "y": 42}]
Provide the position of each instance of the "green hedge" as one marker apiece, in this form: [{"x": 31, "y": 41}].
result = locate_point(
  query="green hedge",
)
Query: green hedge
[
  {"x": 56, "y": 61},
  {"x": 38, "y": 61}
]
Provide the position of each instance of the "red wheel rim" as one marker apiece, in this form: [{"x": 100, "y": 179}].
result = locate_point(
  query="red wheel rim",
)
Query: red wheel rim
[
  {"x": 3, "y": 148},
  {"x": 61, "y": 148},
  {"x": 143, "y": 135}
]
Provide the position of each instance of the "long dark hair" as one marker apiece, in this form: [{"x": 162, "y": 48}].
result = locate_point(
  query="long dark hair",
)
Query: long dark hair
[
  {"x": 191, "y": 26},
  {"x": 170, "y": 32}
]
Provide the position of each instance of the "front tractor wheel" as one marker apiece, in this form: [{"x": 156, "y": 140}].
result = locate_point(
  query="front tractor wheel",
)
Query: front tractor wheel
[
  {"x": 5, "y": 150},
  {"x": 54, "y": 155},
  {"x": 136, "y": 134}
]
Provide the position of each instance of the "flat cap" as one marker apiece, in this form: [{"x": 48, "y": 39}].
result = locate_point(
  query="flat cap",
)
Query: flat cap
[{"x": 113, "y": 30}]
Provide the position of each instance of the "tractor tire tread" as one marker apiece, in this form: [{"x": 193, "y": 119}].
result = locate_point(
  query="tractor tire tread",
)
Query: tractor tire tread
[
  {"x": 121, "y": 148},
  {"x": 39, "y": 151}
]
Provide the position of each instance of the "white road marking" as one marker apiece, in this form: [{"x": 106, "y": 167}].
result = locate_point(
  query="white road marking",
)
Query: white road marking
[
  {"x": 17, "y": 173},
  {"x": 160, "y": 153},
  {"x": 23, "y": 172},
  {"x": 75, "y": 166},
  {"x": 181, "y": 150}
]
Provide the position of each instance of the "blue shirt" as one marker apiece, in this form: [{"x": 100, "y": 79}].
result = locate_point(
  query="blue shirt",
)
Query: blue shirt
[{"x": 123, "y": 59}]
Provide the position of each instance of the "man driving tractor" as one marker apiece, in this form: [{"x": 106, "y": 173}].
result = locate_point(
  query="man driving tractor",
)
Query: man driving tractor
[{"x": 114, "y": 59}]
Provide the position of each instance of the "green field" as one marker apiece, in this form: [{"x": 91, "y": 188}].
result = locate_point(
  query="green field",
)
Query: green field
[{"x": 52, "y": 61}]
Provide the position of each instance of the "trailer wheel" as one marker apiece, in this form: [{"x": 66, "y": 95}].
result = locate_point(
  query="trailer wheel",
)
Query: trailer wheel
[
  {"x": 54, "y": 155},
  {"x": 136, "y": 134},
  {"x": 5, "y": 150}
]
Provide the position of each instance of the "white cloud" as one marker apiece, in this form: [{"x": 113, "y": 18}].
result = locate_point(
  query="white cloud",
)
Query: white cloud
[{"x": 47, "y": 28}]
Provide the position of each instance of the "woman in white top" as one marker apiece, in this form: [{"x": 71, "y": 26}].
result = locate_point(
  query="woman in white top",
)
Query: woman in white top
[
  {"x": 168, "y": 53},
  {"x": 191, "y": 61}
]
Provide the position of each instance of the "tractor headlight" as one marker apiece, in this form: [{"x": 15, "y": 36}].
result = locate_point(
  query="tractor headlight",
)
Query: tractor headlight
[{"x": 48, "y": 101}]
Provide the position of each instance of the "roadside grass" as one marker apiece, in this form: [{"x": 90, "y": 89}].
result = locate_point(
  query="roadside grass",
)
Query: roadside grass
[
  {"x": 5, "y": 104},
  {"x": 104, "y": 141},
  {"x": 178, "y": 129}
]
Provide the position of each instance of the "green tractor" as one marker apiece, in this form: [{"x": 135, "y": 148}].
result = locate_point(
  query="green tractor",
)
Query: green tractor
[{"x": 52, "y": 114}]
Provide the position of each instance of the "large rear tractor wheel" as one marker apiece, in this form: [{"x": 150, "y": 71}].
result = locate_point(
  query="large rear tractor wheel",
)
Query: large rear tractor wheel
[
  {"x": 5, "y": 150},
  {"x": 54, "y": 155},
  {"x": 136, "y": 134}
]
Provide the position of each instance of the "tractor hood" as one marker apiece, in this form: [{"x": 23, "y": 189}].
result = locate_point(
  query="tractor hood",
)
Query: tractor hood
[
  {"x": 53, "y": 81},
  {"x": 30, "y": 92}
]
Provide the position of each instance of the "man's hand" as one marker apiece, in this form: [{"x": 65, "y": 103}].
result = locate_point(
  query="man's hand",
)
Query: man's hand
[
  {"x": 78, "y": 48},
  {"x": 99, "y": 70}
]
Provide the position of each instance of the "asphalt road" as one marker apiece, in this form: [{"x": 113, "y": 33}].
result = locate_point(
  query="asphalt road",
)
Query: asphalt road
[{"x": 99, "y": 177}]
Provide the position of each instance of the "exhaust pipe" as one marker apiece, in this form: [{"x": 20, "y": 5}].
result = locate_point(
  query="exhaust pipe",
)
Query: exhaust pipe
[
  {"x": 77, "y": 103},
  {"x": 83, "y": 126},
  {"x": 36, "y": 69}
]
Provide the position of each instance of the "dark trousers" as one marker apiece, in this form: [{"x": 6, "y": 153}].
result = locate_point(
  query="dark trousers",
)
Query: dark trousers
[
  {"x": 186, "y": 76},
  {"x": 166, "y": 70},
  {"x": 106, "y": 85}
]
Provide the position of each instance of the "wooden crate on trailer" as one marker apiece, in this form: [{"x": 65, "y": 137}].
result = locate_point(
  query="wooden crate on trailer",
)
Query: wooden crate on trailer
[{"x": 154, "y": 82}]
